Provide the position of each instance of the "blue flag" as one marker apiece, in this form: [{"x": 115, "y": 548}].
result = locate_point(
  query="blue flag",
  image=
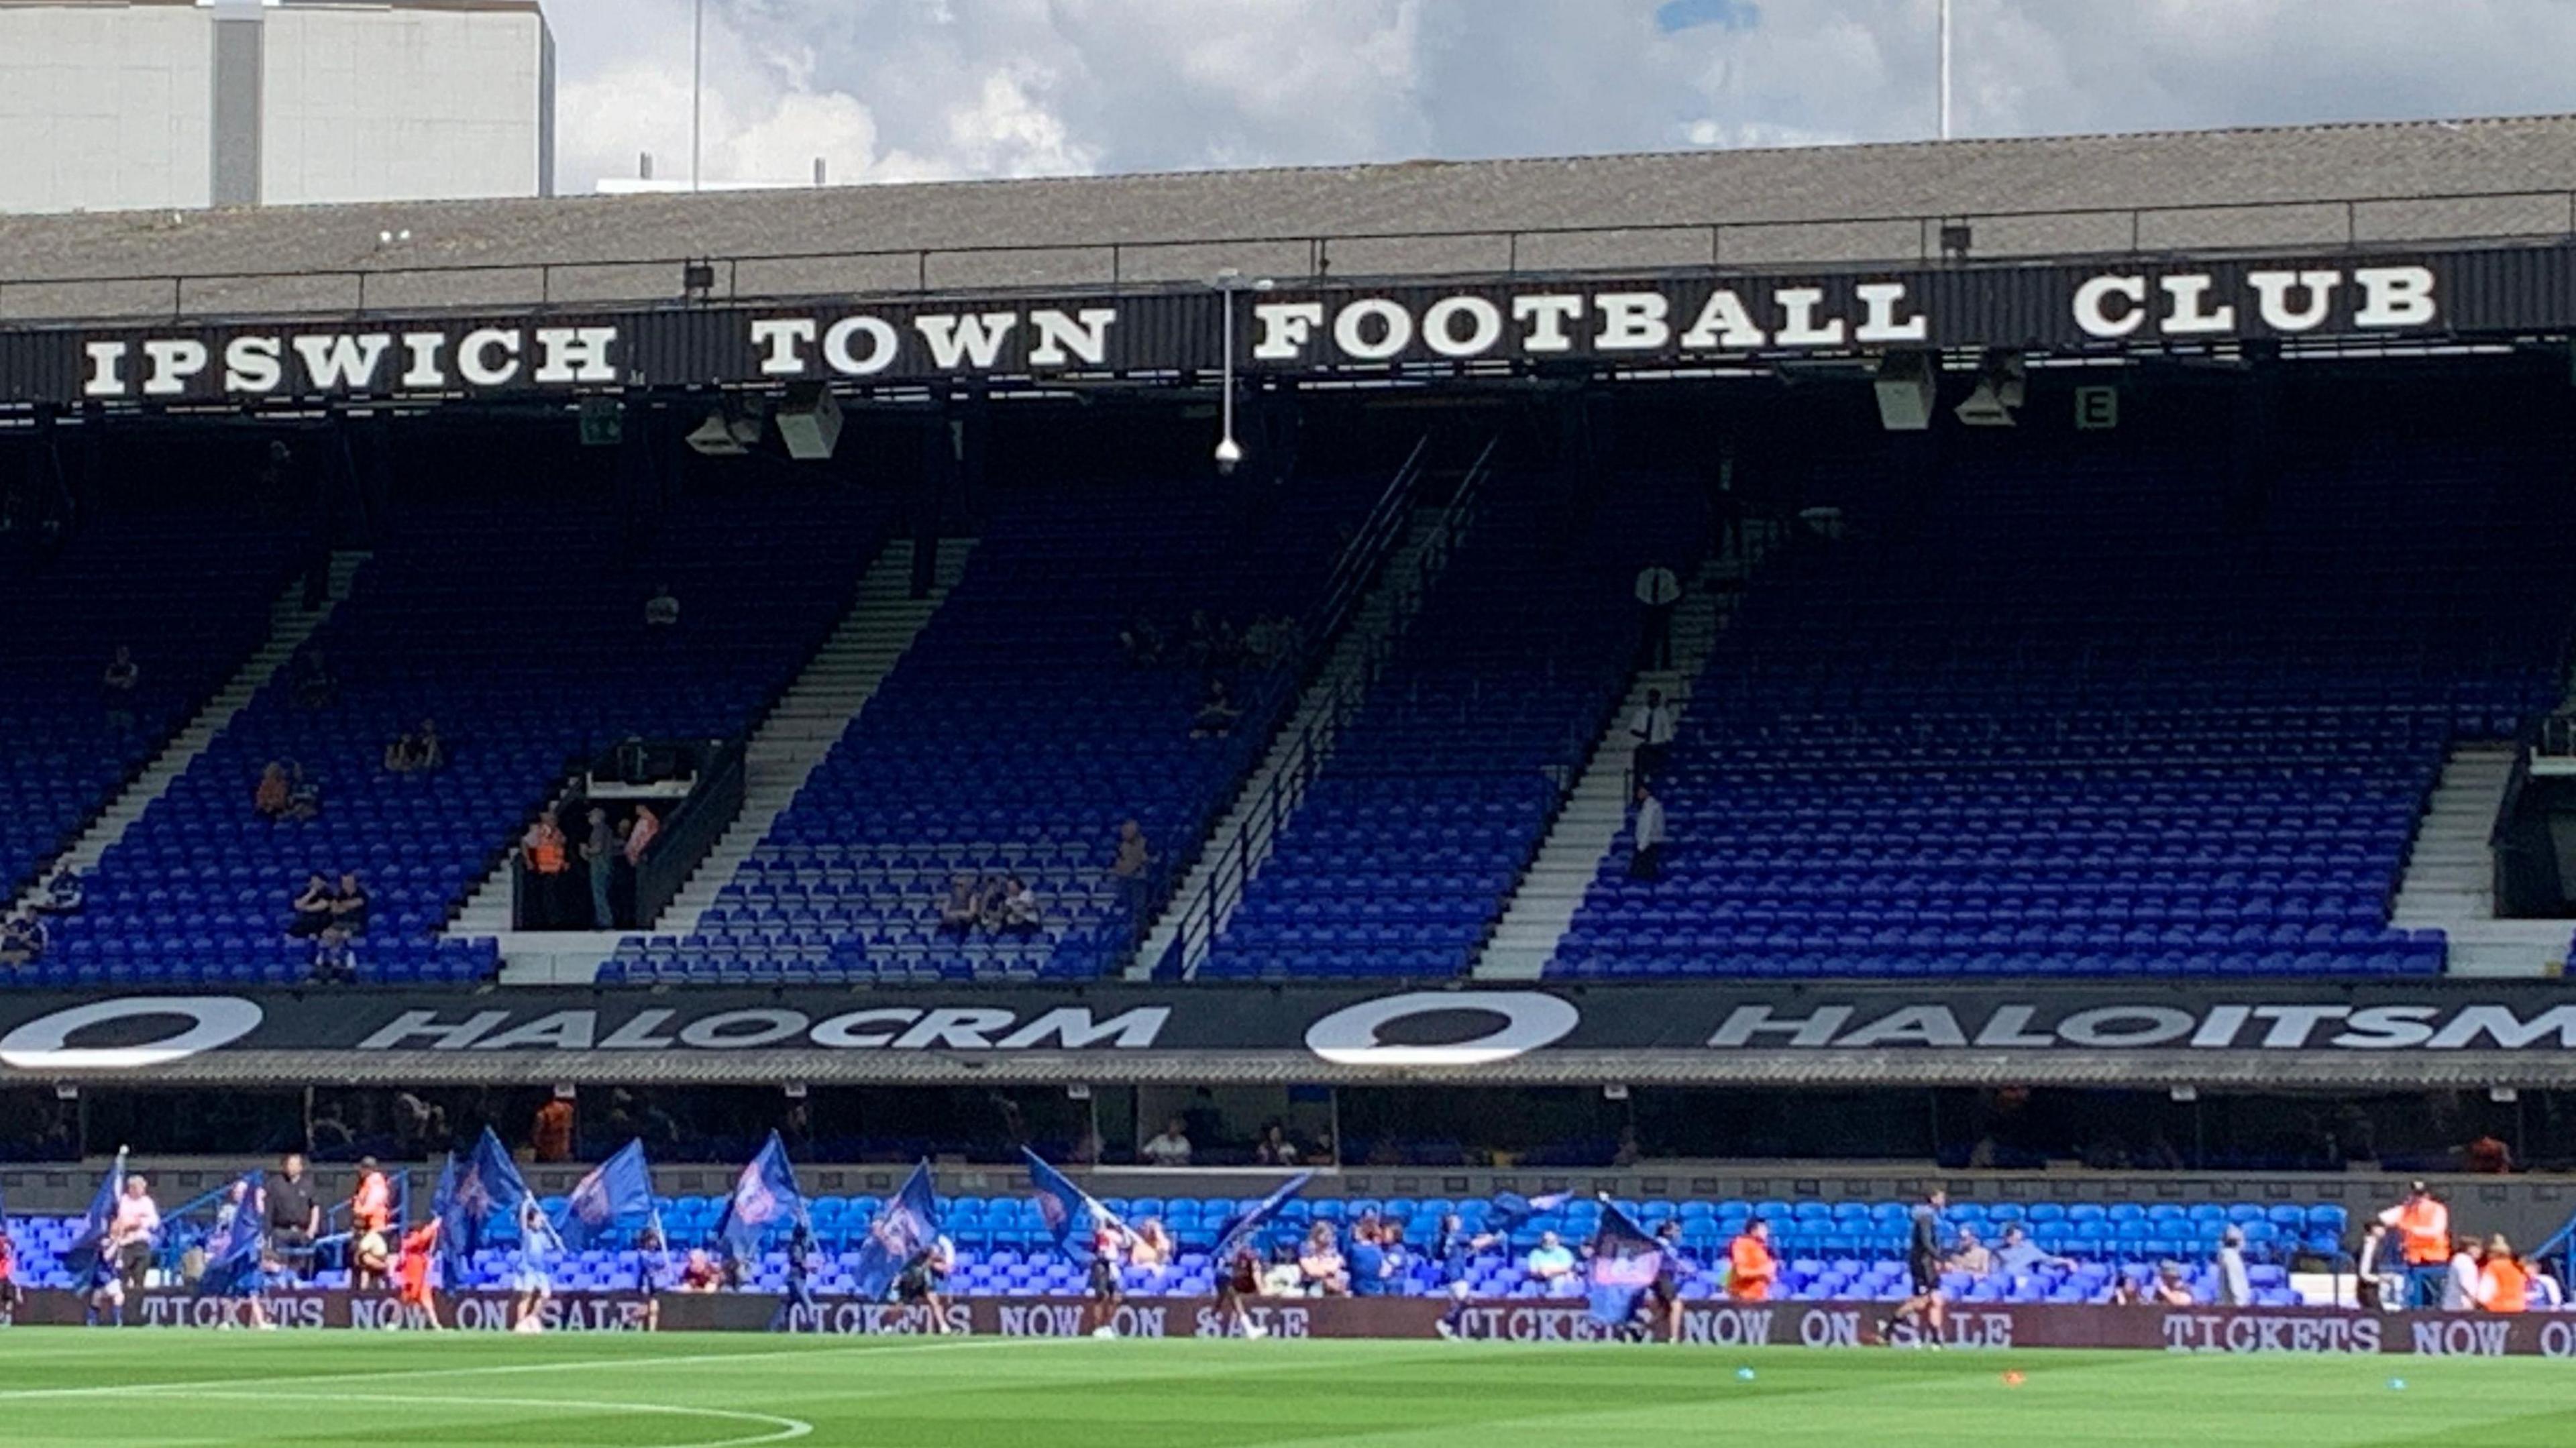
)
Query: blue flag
[
  {"x": 617, "y": 1192},
  {"x": 1071, "y": 1214},
  {"x": 240, "y": 1232},
  {"x": 1626, "y": 1259},
  {"x": 764, "y": 1196},
  {"x": 470, "y": 1191},
  {"x": 1512, "y": 1211},
  {"x": 908, "y": 1222},
  {"x": 102, "y": 1213},
  {"x": 1243, "y": 1224}
]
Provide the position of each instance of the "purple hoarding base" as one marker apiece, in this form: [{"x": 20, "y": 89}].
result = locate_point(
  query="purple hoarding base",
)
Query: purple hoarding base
[{"x": 1785, "y": 1324}]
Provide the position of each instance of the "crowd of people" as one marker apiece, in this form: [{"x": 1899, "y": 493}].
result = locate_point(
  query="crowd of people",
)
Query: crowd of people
[{"x": 1211, "y": 642}]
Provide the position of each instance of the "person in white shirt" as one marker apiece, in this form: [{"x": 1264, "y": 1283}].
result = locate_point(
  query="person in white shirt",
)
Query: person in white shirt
[
  {"x": 131, "y": 1230},
  {"x": 1549, "y": 1261},
  {"x": 1653, "y": 732},
  {"x": 2235, "y": 1287},
  {"x": 2466, "y": 1283},
  {"x": 1020, "y": 909},
  {"x": 1647, "y": 863},
  {"x": 1171, "y": 1148}
]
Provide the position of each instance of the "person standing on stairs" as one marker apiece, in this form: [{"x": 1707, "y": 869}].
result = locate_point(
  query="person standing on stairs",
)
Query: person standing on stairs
[
  {"x": 1647, "y": 861},
  {"x": 1652, "y": 730}
]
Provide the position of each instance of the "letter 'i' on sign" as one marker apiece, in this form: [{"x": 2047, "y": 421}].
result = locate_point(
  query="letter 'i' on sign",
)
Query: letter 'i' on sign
[{"x": 2097, "y": 409}]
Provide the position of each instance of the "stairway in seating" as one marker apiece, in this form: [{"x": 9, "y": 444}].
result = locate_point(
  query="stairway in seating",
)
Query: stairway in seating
[
  {"x": 2450, "y": 874},
  {"x": 290, "y": 624},
  {"x": 1542, "y": 907},
  {"x": 1379, "y": 619},
  {"x": 782, "y": 753}
]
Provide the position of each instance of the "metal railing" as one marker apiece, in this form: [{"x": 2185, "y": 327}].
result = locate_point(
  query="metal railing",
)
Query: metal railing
[
  {"x": 2347, "y": 223},
  {"x": 1343, "y": 588},
  {"x": 1240, "y": 855}
]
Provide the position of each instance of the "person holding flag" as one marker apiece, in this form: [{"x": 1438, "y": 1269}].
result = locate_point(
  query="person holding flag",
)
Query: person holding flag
[
  {"x": 411, "y": 1272},
  {"x": 1626, "y": 1260},
  {"x": 469, "y": 1191},
  {"x": 765, "y": 1195},
  {"x": 1087, "y": 1233},
  {"x": 906, "y": 1224},
  {"x": 1238, "y": 1253},
  {"x": 10, "y": 1297},
  {"x": 534, "y": 1282},
  {"x": 923, "y": 1281}
]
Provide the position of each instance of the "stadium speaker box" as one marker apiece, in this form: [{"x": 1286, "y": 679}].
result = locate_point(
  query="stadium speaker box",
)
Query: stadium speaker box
[
  {"x": 1909, "y": 383},
  {"x": 809, "y": 421}
]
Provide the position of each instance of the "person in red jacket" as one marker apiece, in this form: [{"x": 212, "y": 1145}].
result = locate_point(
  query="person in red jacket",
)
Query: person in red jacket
[{"x": 411, "y": 1271}]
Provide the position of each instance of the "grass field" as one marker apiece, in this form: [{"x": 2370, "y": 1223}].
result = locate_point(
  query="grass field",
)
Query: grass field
[{"x": 173, "y": 1388}]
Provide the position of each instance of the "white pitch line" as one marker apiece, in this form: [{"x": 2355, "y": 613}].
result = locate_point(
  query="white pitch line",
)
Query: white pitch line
[
  {"x": 565, "y": 1366},
  {"x": 782, "y": 1428}
]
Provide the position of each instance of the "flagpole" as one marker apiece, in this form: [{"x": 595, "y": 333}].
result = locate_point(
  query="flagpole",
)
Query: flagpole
[{"x": 1945, "y": 69}]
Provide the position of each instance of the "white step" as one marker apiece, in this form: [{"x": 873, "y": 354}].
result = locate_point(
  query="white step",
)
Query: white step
[
  {"x": 1550, "y": 893},
  {"x": 290, "y": 625},
  {"x": 1348, "y": 668},
  {"x": 2509, "y": 949},
  {"x": 782, "y": 753},
  {"x": 2449, "y": 884}
]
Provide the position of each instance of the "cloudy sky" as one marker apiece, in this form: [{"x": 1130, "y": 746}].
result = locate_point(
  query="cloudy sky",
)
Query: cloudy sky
[{"x": 911, "y": 89}]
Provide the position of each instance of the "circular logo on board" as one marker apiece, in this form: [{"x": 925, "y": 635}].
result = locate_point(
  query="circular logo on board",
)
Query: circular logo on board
[
  {"x": 1528, "y": 1020},
  {"x": 44, "y": 1044}
]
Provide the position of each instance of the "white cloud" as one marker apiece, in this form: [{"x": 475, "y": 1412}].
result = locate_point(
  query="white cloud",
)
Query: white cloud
[{"x": 887, "y": 89}]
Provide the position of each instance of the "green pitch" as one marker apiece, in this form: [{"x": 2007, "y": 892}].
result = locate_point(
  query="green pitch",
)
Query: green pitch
[{"x": 174, "y": 1389}]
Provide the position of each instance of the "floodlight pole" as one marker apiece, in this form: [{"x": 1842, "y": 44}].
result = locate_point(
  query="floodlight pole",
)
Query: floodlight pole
[
  {"x": 698, "y": 78},
  {"x": 1945, "y": 69}
]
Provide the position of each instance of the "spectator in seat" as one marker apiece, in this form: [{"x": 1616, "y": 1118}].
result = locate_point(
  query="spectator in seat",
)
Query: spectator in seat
[
  {"x": 699, "y": 1272},
  {"x": 1151, "y": 1247},
  {"x": 2505, "y": 1285},
  {"x": 1972, "y": 1256},
  {"x": 65, "y": 893},
  {"x": 2466, "y": 1277},
  {"x": 1647, "y": 862},
  {"x": 962, "y": 909},
  {"x": 303, "y": 796},
  {"x": 1275, "y": 1148},
  {"x": 1549, "y": 1262},
  {"x": 1652, "y": 732},
  {"x": 273, "y": 794},
  {"x": 415, "y": 753},
  {"x": 1375, "y": 1264},
  {"x": 1170, "y": 1148},
  {"x": 662, "y": 610},
  {"x": 1321, "y": 1271},
  {"x": 24, "y": 939},
  {"x": 315, "y": 687},
  {"x": 1129, "y": 868},
  {"x": 349, "y": 905},
  {"x": 118, "y": 684},
  {"x": 1751, "y": 1268},
  {"x": 1140, "y": 643},
  {"x": 335, "y": 958},
  {"x": 1022, "y": 912},
  {"x": 2487, "y": 1156},
  {"x": 2169, "y": 1288},
  {"x": 599, "y": 856},
  {"x": 1216, "y": 713},
  {"x": 2019, "y": 1256},
  {"x": 312, "y": 908}
]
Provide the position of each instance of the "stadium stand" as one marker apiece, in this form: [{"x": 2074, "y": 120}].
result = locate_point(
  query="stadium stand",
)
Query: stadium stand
[
  {"x": 188, "y": 591},
  {"x": 1016, "y": 735},
  {"x": 1830, "y": 1250},
  {"x": 2090, "y": 718},
  {"x": 529, "y": 657},
  {"x": 1437, "y": 793}
]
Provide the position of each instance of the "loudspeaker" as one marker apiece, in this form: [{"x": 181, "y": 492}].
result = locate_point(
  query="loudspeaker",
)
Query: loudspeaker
[
  {"x": 1909, "y": 383},
  {"x": 809, "y": 421}
]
